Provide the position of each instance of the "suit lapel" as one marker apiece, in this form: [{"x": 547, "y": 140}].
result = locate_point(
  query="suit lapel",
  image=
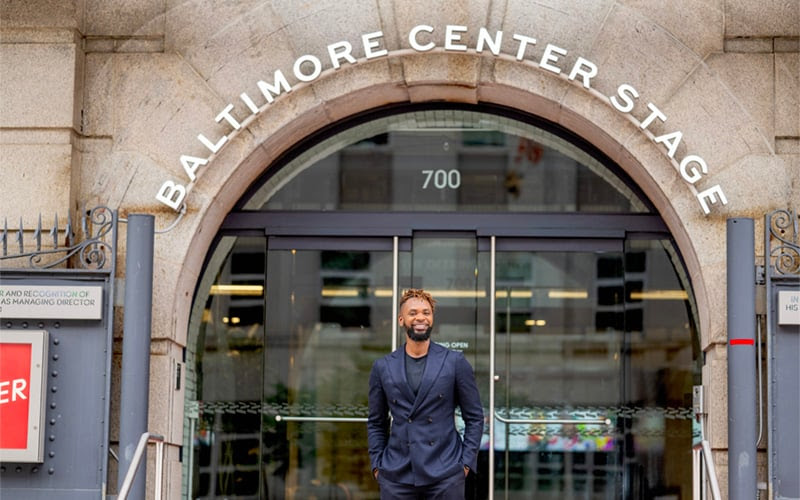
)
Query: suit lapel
[
  {"x": 436, "y": 357},
  {"x": 398, "y": 372}
]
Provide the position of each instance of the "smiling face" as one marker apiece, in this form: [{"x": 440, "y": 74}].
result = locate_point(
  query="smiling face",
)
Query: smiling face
[{"x": 416, "y": 316}]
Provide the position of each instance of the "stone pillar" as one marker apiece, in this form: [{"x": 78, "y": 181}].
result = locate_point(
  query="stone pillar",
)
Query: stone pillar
[{"x": 41, "y": 63}]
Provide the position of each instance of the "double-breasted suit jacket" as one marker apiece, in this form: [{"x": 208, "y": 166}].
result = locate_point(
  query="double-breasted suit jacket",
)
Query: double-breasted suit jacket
[{"x": 420, "y": 445}]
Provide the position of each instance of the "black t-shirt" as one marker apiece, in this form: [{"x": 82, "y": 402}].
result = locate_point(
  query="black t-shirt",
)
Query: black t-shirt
[{"x": 414, "y": 369}]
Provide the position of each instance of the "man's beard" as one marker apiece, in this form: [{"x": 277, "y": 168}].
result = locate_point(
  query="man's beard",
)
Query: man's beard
[{"x": 419, "y": 337}]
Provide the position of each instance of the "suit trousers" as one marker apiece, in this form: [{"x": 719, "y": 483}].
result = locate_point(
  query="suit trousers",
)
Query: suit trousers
[{"x": 449, "y": 489}]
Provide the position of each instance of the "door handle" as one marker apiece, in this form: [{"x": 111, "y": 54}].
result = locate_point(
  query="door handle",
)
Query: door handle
[
  {"x": 586, "y": 421},
  {"x": 292, "y": 418}
]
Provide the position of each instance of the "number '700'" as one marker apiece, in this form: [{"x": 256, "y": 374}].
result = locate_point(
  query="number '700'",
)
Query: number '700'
[{"x": 442, "y": 179}]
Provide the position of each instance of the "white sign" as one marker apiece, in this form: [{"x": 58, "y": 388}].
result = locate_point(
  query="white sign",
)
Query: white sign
[
  {"x": 51, "y": 302},
  {"x": 788, "y": 308},
  {"x": 455, "y": 346},
  {"x": 546, "y": 56}
]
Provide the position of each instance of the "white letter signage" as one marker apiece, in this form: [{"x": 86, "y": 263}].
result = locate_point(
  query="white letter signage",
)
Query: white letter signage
[
  {"x": 420, "y": 38},
  {"x": 51, "y": 302}
]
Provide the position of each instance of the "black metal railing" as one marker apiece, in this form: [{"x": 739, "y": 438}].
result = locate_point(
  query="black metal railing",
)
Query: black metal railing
[{"x": 90, "y": 248}]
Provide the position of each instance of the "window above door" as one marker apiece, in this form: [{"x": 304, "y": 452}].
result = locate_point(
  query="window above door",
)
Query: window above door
[{"x": 447, "y": 159}]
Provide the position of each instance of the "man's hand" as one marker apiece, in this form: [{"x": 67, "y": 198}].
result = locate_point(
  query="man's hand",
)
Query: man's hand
[
  {"x": 375, "y": 473},
  {"x": 466, "y": 471}
]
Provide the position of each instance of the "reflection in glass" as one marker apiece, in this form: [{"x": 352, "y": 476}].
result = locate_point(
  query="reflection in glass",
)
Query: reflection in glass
[
  {"x": 325, "y": 327},
  {"x": 446, "y": 161},
  {"x": 228, "y": 354},
  {"x": 623, "y": 350},
  {"x": 557, "y": 357}
]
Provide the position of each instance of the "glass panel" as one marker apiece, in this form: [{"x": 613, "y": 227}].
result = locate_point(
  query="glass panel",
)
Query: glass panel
[
  {"x": 663, "y": 363},
  {"x": 559, "y": 323},
  {"x": 446, "y": 265},
  {"x": 446, "y": 160},
  {"x": 329, "y": 316},
  {"x": 228, "y": 353},
  {"x": 592, "y": 336},
  {"x": 580, "y": 335}
]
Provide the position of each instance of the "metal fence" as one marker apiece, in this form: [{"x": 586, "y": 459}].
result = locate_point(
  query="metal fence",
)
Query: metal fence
[{"x": 87, "y": 246}]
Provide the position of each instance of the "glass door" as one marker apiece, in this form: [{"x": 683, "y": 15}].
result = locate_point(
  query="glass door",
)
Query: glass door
[
  {"x": 558, "y": 371},
  {"x": 583, "y": 351},
  {"x": 547, "y": 352},
  {"x": 329, "y": 315}
]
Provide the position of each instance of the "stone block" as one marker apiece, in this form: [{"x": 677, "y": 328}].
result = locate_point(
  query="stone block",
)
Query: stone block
[
  {"x": 42, "y": 14},
  {"x": 787, "y": 44},
  {"x": 756, "y": 184},
  {"x": 696, "y": 23},
  {"x": 190, "y": 25},
  {"x": 123, "y": 18},
  {"x": 438, "y": 14},
  {"x": 787, "y": 145},
  {"x": 749, "y": 79},
  {"x": 537, "y": 82},
  {"x": 38, "y": 36},
  {"x": 98, "y": 115},
  {"x": 762, "y": 45},
  {"x": 375, "y": 96},
  {"x": 458, "y": 69},
  {"x": 41, "y": 178},
  {"x": 108, "y": 179},
  {"x": 787, "y": 95},
  {"x": 766, "y": 18},
  {"x": 715, "y": 377},
  {"x": 283, "y": 119},
  {"x": 714, "y": 275},
  {"x": 160, "y": 105},
  {"x": 173, "y": 474},
  {"x": 657, "y": 176},
  {"x": 720, "y": 458},
  {"x": 793, "y": 168},
  {"x": 37, "y": 89},
  {"x": 715, "y": 124},
  {"x": 261, "y": 47},
  {"x": 164, "y": 399},
  {"x": 155, "y": 109},
  {"x": 312, "y": 27},
  {"x": 573, "y": 26},
  {"x": 635, "y": 51}
]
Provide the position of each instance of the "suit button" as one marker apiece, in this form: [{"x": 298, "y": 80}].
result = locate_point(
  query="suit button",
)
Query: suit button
[
  {"x": 441, "y": 396},
  {"x": 432, "y": 442},
  {"x": 430, "y": 420},
  {"x": 394, "y": 401},
  {"x": 409, "y": 420}
]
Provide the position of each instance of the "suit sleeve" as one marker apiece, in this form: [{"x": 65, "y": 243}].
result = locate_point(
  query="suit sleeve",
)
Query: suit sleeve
[
  {"x": 471, "y": 411},
  {"x": 378, "y": 420}
]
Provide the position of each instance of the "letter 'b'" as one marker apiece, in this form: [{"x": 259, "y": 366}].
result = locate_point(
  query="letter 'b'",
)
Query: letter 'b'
[{"x": 171, "y": 194}]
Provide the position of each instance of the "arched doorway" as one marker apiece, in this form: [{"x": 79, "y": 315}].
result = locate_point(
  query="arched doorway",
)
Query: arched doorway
[{"x": 553, "y": 274}]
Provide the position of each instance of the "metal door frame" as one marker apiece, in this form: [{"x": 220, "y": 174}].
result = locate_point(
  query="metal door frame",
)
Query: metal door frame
[{"x": 547, "y": 231}]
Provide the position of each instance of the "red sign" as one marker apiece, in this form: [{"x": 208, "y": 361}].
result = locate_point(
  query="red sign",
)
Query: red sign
[
  {"x": 23, "y": 364},
  {"x": 15, "y": 383}
]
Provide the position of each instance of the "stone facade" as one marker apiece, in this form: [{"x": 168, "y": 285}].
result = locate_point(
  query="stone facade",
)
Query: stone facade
[{"x": 99, "y": 100}]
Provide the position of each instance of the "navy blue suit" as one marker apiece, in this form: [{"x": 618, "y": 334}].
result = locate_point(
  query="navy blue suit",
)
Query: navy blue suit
[{"x": 420, "y": 445}]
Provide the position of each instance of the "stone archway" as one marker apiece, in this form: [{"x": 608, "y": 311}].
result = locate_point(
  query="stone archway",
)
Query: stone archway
[{"x": 641, "y": 160}]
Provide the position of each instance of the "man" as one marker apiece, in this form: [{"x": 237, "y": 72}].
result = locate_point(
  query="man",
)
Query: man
[{"x": 419, "y": 454}]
